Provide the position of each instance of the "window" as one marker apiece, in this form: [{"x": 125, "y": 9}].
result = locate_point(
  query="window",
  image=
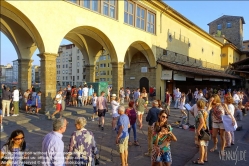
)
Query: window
[
  {"x": 63, "y": 72},
  {"x": 229, "y": 25},
  {"x": 86, "y": 4},
  {"x": 219, "y": 27},
  {"x": 108, "y": 65},
  {"x": 84, "y": 76},
  {"x": 109, "y": 8},
  {"x": 78, "y": 51},
  {"x": 63, "y": 78},
  {"x": 66, "y": 71},
  {"x": 78, "y": 77},
  {"x": 129, "y": 12},
  {"x": 78, "y": 57},
  {"x": 63, "y": 66},
  {"x": 151, "y": 22},
  {"x": 66, "y": 77},
  {"x": 78, "y": 70},
  {"x": 94, "y": 6},
  {"x": 66, "y": 66},
  {"x": 78, "y": 64},
  {"x": 140, "y": 18},
  {"x": 84, "y": 69},
  {"x": 74, "y": 1}
]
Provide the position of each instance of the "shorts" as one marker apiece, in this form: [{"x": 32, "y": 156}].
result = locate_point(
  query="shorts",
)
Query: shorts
[
  {"x": 128, "y": 95},
  {"x": 84, "y": 98},
  {"x": 90, "y": 97},
  {"x": 166, "y": 157},
  {"x": 140, "y": 112},
  {"x": 29, "y": 105},
  {"x": 25, "y": 100},
  {"x": 203, "y": 143},
  {"x": 39, "y": 105},
  {"x": 123, "y": 144},
  {"x": 94, "y": 109},
  {"x": 218, "y": 125},
  {"x": 74, "y": 98},
  {"x": 58, "y": 107},
  {"x": 101, "y": 112},
  {"x": 115, "y": 115}
]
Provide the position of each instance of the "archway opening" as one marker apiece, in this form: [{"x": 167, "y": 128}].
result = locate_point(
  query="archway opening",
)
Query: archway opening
[{"x": 144, "y": 83}]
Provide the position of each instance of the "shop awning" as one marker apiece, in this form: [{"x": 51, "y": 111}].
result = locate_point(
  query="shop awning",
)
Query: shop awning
[{"x": 197, "y": 71}]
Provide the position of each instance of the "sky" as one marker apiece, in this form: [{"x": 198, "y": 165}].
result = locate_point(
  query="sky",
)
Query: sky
[{"x": 199, "y": 12}]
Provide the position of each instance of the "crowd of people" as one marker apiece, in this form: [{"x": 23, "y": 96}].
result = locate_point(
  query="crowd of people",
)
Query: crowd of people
[{"x": 208, "y": 108}]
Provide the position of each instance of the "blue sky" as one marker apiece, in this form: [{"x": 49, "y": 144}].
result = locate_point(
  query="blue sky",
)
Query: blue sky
[{"x": 199, "y": 12}]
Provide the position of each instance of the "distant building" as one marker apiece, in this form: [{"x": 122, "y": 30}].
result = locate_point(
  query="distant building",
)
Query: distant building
[
  {"x": 33, "y": 76},
  {"x": 70, "y": 66},
  {"x": 38, "y": 74},
  {"x": 230, "y": 27},
  {"x": 245, "y": 46},
  {"x": 15, "y": 71},
  {"x": 9, "y": 74},
  {"x": 103, "y": 69}
]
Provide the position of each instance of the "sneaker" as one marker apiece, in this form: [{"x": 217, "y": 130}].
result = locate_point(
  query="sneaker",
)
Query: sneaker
[
  {"x": 1, "y": 128},
  {"x": 8, "y": 115},
  {"x": 147, "y": 154},
  {"x": 14, "y": 115}
]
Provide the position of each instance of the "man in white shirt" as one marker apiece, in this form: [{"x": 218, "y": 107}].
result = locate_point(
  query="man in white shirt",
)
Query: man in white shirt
[
  {"x": 16, "y": 101},
  {"x": 177, "y": 97},
  {"x": 58, "y": 98},
  {"x": 85, "y": 95},
  {"x": 236, "y": 98}
]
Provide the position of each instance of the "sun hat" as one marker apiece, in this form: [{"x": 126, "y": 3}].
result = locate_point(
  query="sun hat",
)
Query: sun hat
[{"x": 114, "y": 95}]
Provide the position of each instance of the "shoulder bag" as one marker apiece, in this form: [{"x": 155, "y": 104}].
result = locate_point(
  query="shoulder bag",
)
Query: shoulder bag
[
  {"x": 227, "y": 120},
  {"x": 204, "y": 133}
]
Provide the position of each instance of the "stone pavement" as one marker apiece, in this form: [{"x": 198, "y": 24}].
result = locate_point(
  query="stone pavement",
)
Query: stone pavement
[{"x": 183, "y": 151}]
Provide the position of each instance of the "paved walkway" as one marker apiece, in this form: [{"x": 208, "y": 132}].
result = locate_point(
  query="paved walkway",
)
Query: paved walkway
[{"x": 183, "y": 151}]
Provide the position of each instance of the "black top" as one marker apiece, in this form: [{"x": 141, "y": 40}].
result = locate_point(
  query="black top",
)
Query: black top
[
  {"x": 6, "y": 94},
  {"x": 152, "y": 116}
]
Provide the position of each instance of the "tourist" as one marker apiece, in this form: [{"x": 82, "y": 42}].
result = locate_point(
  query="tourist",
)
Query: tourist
[
  {"x": 58, "y": 98},
  {"x": 38, "y": 102},
  {"x": 25, "y": 97},
  {"x": 114, "y": 104},
  {"x": 82, "y": 146},
  {"x": 229, "y": 135},
  {"x": 218, "y": 112},
  {"x": 177, "y": 97},
  {"x": 74, "y": 94},
  {"x": 128, "y": 92},
  {"x": 162, "y": 136},
  {"x": 201, "y": 122},
  {"x": 94, "y": 103},
  {"x": 1, "y": 118},
  {"x": 145, "y": 97},
  {"x": 131, "y": 113},
  {"x": 102, "y": 108},
  {"x": 85, "y": 91},
  {"x": 122, "y": 137},
  {"x": 90, "y": 95},
  {"x": 121, "y": 95},
  {"x": 140, "y": 103},
  {"x": 80, "y": 93},
  {"x": 52, "y": 144},
  {"x": 182, "y": 105},
  {"x": 167, "y": 102},
  {"x": 151, "y": 118},
  {"x": 6, "y": 99},
  {"x": 12, "y": 151},
  {"x": 69, "y": 98},
  {"x": 16, "y": 101},
  {"x": 160, "y": 107}
]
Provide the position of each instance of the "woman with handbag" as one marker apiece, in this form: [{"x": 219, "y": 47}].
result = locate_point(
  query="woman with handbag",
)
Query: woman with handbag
[
  {"x": 11, "y": 153},
  {"x": 82, "y": 145},
  {"x": 201, "y": 123}
]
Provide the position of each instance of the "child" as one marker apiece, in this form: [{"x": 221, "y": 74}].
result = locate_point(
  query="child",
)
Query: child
[
  {"x": 29, "y": 103},
  {"x": 38, "y": 102},
  {"x": 94, "y": 103}
]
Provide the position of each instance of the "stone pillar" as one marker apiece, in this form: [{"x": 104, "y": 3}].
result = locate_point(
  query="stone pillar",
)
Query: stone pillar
[
  {"x": 24, "y": 74},
  {"x": 90, "y": 73},
  {"x": 117, "y": 76},
  {"x": 48, "y": 81}
]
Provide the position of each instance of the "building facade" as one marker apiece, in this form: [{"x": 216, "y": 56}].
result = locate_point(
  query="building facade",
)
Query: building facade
[
  {"x": 103, "y": 69},
  {"x": 70, "y": 66},
  {"x": 15, "y": 71},
  {"x": 246, "y": 45},
  {"x": 230, "y": 27}
]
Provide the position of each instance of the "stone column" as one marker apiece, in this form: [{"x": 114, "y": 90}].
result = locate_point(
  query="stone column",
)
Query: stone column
[
  {"x": 90, "y": 73},
  {"x": 48, "y": 81},
  {"x": 24, "y": 74},
  {"x": 117, "y": 76}
]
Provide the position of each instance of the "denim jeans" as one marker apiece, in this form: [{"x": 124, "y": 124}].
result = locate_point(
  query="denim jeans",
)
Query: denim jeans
[
  {"x": 177, "y": 100},
  {"x": 134, "y": 128}
]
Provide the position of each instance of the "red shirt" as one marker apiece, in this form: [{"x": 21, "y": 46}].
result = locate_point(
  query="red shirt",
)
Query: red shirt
[{"x": 131, "y": 113}]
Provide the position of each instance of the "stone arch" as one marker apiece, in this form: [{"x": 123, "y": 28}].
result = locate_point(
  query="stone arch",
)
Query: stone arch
[
  {"x": 139, "y": 47},
  {"x": 20, "y": 31},
  {"x": 91, "y": 41}
]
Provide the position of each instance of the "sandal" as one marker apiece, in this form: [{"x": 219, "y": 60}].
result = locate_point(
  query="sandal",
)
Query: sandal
[
  {"x": 204, "y": 160},
  {"x": 213, "y": 149},
  {"x": 136, "y": 143},
  {"x": 222, "y": 153},
  {"x": 197, "y": 162}
]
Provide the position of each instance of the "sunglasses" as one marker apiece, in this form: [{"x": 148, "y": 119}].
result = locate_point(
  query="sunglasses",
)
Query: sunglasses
[
  {"x": 164, "y": 117},
  {"x": 18, "y": 139}
]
